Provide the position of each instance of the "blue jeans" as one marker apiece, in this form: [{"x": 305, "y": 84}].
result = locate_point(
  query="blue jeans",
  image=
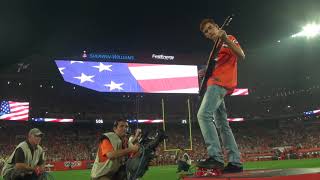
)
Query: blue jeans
[{"x": 212, "y": 115}]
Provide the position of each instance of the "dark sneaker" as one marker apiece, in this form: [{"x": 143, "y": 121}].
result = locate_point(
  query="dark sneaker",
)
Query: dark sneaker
[
  {"x": 230, "y": 168},
  {"x": 210, "y": 163}
]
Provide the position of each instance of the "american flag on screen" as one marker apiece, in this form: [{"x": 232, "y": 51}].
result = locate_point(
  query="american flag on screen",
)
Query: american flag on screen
[
  {"x": 11, "y": 110},
  {"x": 130, "y": 77}
]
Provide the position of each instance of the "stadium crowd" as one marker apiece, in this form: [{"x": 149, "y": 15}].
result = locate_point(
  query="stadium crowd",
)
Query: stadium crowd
[{"x": 256, "y": 140}]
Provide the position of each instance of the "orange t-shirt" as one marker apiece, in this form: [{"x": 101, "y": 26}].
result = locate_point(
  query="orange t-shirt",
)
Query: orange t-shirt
[
  {"x": 104, "y": 148},
  {"x": 225, "y": 71}
]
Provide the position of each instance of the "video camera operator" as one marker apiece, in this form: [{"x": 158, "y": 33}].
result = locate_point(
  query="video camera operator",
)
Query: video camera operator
[
  {"x": 138, "y": 164},
  {"x": 110, "y": 159}
]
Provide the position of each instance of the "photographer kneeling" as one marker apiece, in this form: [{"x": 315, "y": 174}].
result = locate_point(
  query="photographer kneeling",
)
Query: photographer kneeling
[
  {"x": 183, "y": 160},
  {"x": 110, "y": 158},
  {"x": 26, "y": 162}
]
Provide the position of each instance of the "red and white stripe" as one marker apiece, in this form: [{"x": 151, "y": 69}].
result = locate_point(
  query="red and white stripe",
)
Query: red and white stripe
[
  {"x": 149, "y": 121},
  {"x": 316, "y": 111},
  {"x": 240, "y": 92},
  {"x": 235, "y": 119},
  {"x": 160, "y": 78},
  {"x": 19, "y": 111},
  {"x": 57, "y": 120}
]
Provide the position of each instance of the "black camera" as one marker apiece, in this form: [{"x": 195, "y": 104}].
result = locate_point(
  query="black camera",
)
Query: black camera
[{"x": 137, "y": 166}]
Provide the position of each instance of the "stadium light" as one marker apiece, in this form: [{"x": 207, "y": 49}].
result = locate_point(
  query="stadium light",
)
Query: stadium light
[{"x": 309, "y": 31}]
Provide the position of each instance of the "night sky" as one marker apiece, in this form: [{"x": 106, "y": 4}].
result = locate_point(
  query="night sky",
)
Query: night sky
[
  {"x": 37, "y": 32},
  {"x": 65, "y": 28}
]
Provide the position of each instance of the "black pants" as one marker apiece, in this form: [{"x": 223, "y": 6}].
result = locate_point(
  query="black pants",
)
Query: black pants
[
  {"x": 183, "y": 166},
  {"x": 121, "y": 174},
  {"x": 19, "y": 174}
]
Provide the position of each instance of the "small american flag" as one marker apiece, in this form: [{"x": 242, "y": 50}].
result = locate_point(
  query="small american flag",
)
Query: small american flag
[{"x": 10, "y": 110}]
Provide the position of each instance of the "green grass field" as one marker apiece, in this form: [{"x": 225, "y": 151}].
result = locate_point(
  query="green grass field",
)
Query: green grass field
[{"x": 169, "y": 172}]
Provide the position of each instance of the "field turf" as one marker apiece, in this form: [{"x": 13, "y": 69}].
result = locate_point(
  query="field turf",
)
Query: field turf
[{"x": 169, "y": 172}]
